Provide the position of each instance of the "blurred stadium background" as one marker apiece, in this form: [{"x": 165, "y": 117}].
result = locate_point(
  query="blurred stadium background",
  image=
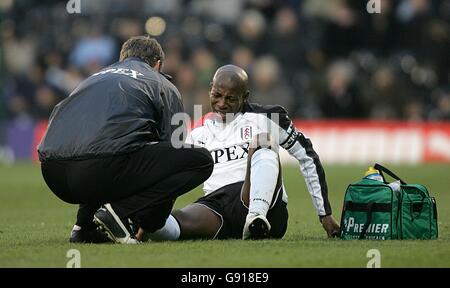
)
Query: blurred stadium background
[{"x": 321, "y": 59}]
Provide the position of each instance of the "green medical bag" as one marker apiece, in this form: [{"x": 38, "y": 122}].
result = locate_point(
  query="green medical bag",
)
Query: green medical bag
[{"x": 373, "y": 209}]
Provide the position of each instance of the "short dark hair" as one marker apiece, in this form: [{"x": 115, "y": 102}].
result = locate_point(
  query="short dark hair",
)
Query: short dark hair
[{"x": 143, "y": 47}]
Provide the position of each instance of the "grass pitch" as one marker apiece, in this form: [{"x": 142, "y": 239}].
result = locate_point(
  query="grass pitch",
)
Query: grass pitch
[{"x": 35, "y": 225}]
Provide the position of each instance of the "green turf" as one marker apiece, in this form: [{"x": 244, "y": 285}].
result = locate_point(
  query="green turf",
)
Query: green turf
[{"x": 34, "y": 227}]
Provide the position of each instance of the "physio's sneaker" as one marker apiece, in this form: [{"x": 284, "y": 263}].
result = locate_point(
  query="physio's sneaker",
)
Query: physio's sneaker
[
  {"x": 117, "y": 231},
  {"x": 81, "y": 235},
  {"x": 256, "y": 227}
]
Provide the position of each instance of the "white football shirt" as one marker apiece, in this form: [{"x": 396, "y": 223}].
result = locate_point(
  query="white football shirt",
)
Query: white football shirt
[{"x": 229, "y": 143}]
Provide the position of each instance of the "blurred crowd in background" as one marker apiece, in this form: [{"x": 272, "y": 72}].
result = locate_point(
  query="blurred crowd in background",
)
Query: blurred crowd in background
[{"x": 318, "y": 58}]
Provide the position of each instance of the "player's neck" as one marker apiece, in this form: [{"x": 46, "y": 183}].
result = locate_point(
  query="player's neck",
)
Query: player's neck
[{"x": 230, "y": 117}]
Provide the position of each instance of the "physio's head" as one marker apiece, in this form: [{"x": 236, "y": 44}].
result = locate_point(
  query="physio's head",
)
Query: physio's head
[
  {"x": 145, "y": 48},
  {"x": 229, "y": 90}
]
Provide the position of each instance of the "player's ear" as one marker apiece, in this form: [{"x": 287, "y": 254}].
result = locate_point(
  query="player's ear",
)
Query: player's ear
[
  {"x": 246, "y": 95},
  {"x": 158, "y": 66}
]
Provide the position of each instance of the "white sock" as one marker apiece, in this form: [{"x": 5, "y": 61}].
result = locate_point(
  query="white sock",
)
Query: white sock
[
  {"x": 170, "y": 231},
  {"x": 76, "y": 228},
  {"x": 263, "y": 180}
]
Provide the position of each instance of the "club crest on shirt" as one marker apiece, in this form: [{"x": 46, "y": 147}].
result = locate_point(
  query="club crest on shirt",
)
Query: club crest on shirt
[{"x": 246, "y": 133}]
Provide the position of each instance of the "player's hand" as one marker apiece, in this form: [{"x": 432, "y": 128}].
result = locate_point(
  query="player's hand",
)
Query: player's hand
[
  {"x": 140, "y": 234},
  {"x": 330, "y": 225}
]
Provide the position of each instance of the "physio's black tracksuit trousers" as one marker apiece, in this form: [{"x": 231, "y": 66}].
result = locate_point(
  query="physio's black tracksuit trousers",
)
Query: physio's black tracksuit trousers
[{"x": 140, "y": 185}]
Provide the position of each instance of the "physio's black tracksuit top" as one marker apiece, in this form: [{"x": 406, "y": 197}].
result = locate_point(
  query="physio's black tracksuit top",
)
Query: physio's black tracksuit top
[{"x": 117, "y": 110}]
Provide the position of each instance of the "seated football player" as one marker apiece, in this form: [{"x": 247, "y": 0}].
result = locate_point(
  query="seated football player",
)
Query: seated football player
[{"x": 244, "y": 196}]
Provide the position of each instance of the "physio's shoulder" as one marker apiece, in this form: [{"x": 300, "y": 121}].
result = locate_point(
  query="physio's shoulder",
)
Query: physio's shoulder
[
  {"x": 150, "y": 76},
  {"x": 168, "y": 86},
  {"x": 166, "y": 81}
]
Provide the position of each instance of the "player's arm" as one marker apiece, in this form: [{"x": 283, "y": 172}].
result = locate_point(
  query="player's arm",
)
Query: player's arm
[{"x": 300, "y": 147}]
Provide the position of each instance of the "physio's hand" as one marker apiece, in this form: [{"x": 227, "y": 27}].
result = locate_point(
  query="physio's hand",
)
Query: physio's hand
[{"x": 330, "y": 225}]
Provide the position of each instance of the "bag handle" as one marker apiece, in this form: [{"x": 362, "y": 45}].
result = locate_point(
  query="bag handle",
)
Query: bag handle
[{"x": 389, "y": 172}]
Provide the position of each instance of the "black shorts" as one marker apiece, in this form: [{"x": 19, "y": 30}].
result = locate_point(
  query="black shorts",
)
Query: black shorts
[{"x": 227, "y": 203}]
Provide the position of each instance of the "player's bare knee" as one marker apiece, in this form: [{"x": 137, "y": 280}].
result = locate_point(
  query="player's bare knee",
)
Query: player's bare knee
[
  {"x": 188, "y": 226},
  {"x": 196, "y": 222},
  {"x": 182, "y": 218}
]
